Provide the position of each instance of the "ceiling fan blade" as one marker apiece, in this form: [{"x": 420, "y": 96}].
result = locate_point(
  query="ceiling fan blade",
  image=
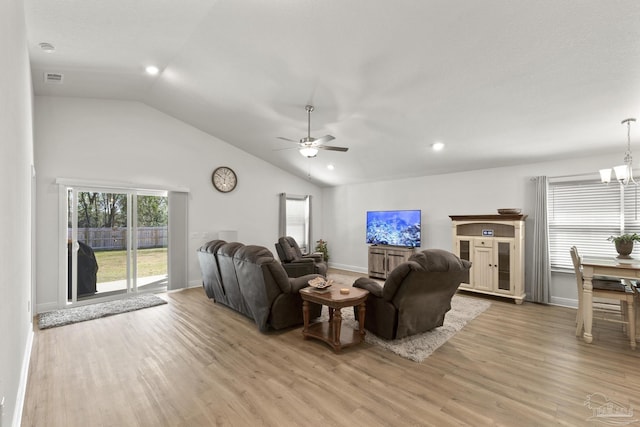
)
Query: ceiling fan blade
[
  {"x": 330, "y": 148},
  {"x": 323, "y": 139},
  {"x": 286, "y": 148},
  {"x": 287, "y": 139}
]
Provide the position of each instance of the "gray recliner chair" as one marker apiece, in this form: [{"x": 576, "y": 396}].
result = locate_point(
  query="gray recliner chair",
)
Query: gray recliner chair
[
  {"x": 416, "y": 295},
  {"x": 295, "y": 262},
  {"x": 273, "y": 298}
]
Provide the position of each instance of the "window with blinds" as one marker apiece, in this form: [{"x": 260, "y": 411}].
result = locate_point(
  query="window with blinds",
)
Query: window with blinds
[
  {"x": 584, "y": 214},
  {"x": 297, "y": 221}
]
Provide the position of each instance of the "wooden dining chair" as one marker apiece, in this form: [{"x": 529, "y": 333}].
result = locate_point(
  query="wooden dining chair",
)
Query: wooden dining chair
[{"x": 623, "y": 311}]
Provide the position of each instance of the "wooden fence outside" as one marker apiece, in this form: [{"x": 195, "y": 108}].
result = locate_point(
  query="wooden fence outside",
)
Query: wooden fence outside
[{"x": 116, "y": 238}]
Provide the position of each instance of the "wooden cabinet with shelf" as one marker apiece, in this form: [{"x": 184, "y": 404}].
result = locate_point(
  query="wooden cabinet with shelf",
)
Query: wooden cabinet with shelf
[
  {"x": 495, "y": 246},
  {"x": 383, "y": 259}
]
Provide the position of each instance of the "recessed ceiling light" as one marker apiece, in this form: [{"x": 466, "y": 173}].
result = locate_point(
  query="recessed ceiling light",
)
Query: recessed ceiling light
[
  {"x": 331, "y": 167},
  {"x": 437, "y": 146},
  {"x": 152, "y": 69},
  {"x": 47, "y": 47}
]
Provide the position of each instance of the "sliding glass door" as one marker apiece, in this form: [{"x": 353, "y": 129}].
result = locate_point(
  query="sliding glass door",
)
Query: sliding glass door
[
  {"x": 116, "y": 242},
  {"x": 151, "y": 243}
]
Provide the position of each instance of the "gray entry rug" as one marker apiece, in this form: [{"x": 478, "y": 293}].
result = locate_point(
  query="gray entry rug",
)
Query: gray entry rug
[
  {"x": 419, "y": 347},
  {"x": 67, "y": 316}
]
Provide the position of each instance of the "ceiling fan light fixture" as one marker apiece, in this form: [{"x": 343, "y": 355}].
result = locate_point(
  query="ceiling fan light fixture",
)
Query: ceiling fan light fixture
[
  {"x": 309, "y": 151},
  {"x": 309, "y": 146}
]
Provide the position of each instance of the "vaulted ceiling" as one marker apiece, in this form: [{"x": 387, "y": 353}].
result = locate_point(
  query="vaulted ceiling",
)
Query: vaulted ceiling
[{"x": 499, "y": 82}]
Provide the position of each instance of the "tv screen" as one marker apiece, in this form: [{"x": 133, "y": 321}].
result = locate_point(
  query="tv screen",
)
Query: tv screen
[{"x": 394, "y": 228}]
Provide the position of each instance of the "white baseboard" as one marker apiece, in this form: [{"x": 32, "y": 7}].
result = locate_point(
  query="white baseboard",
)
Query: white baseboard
[
  {"x": 47, "y": 306},
  {"x": 348, "y": 268},
  {"x": 564, "y": 302},
  {"x": 194, "y": 283},
  {"x": 22, "y": 387}
]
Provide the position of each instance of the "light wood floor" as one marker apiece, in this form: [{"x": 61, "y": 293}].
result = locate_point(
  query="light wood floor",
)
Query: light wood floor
[{"x": 194, "y": 363}]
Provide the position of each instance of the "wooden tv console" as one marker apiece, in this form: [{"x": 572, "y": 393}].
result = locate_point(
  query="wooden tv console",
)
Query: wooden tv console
[{"x": 383, "y": 259}]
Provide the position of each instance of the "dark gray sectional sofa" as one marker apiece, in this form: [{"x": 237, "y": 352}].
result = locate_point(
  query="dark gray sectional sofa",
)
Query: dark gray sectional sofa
[{"x": 248, "y": 279}]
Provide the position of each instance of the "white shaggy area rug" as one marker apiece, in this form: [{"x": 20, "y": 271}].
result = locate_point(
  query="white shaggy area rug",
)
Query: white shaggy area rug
[
  {"x": 67, "y": 316},
  {"x": 420, "y": 346}
]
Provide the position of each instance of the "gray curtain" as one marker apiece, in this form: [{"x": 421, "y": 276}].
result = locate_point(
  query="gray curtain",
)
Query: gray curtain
[
  {"x": 282, "y": 217},
  {"x": 311, "y": 246},
  {"x": 541, "y": 268},
  {"x": 178, "y": 235}
]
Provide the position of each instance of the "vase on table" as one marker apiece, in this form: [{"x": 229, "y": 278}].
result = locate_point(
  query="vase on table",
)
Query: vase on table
[{"x": 624, "y": 249}]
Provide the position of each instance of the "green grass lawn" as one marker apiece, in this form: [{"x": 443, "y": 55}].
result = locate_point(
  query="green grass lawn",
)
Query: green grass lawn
[{"x": 112, "y": 265}]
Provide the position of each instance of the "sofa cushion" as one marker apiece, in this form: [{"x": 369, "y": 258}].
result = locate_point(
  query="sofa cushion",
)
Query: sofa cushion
[{"x": 230, "y": 283}]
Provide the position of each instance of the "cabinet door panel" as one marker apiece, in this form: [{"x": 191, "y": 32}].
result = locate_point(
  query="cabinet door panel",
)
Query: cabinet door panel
[
  {"x": 377, "y": 264},
  {"x": 483, "y": 268},
  {"x": 394, "y": 260},
  {"x": 504, "y": 263},
  {"x": 464, "y": 252}
]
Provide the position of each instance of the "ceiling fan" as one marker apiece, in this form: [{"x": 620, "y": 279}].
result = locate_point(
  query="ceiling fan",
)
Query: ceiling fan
[{"x": 309, "y": 146}]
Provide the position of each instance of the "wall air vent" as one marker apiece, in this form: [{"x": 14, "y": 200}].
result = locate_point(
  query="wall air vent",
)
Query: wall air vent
[{"x": 54, "y": 78}]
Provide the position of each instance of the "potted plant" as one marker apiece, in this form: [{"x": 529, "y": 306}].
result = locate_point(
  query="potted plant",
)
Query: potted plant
[
  {"x": 624, "y": 244},
  {"x": 321, "y": 246}
]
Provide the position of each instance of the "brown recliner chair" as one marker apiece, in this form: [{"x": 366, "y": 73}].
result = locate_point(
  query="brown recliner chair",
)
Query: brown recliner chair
[
  {"x": 295, "y": 262},
  {"x": 416, "y": 295}
]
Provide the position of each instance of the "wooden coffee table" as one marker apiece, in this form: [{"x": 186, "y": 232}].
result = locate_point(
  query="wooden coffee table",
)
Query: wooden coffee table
[{"x": 332, "y": 331}]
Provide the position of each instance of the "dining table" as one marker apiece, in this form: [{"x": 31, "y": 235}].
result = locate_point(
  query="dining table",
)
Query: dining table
[{"x": 626, "y": 269}]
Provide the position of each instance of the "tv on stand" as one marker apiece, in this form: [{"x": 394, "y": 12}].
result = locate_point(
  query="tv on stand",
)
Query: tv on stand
[{"x": 394, "y": 228}]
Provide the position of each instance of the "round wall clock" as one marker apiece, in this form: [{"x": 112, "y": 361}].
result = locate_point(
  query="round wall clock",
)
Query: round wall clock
[{"x": 224, "y": 179}]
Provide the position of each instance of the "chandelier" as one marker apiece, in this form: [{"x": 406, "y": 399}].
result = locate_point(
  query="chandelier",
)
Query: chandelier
[{"x": 624, "y": 173}]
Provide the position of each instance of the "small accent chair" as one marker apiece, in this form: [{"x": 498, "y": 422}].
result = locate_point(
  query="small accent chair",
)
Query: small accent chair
[
  {"x": 416, "y": 295},
  {"x": 621, "y": 312},
  {"x": 295, "y": 262}
]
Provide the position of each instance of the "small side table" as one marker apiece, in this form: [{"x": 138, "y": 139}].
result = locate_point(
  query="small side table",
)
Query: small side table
[{"x": 332, "y": 331}]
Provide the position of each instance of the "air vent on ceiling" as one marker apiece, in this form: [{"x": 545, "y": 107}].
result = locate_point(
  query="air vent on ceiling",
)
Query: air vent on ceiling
[{"x": 55, "y": 78}]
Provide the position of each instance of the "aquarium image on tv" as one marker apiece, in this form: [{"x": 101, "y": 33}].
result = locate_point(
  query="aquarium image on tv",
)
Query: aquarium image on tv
[{"x": 394, "y": 228}]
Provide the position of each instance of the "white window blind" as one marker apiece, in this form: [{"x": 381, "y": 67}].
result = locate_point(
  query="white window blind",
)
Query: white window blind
[
  {"x": 298, "y": 221},
  {"x": 584, "y": 214}
]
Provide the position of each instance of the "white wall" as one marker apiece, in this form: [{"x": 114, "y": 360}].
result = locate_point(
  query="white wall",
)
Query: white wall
[
  {"x": 122, "y": 141},
  {"x": 16, "y": 159},
  {"x": 467, "y": 193},
  {"x": 106, "y": 140}
]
